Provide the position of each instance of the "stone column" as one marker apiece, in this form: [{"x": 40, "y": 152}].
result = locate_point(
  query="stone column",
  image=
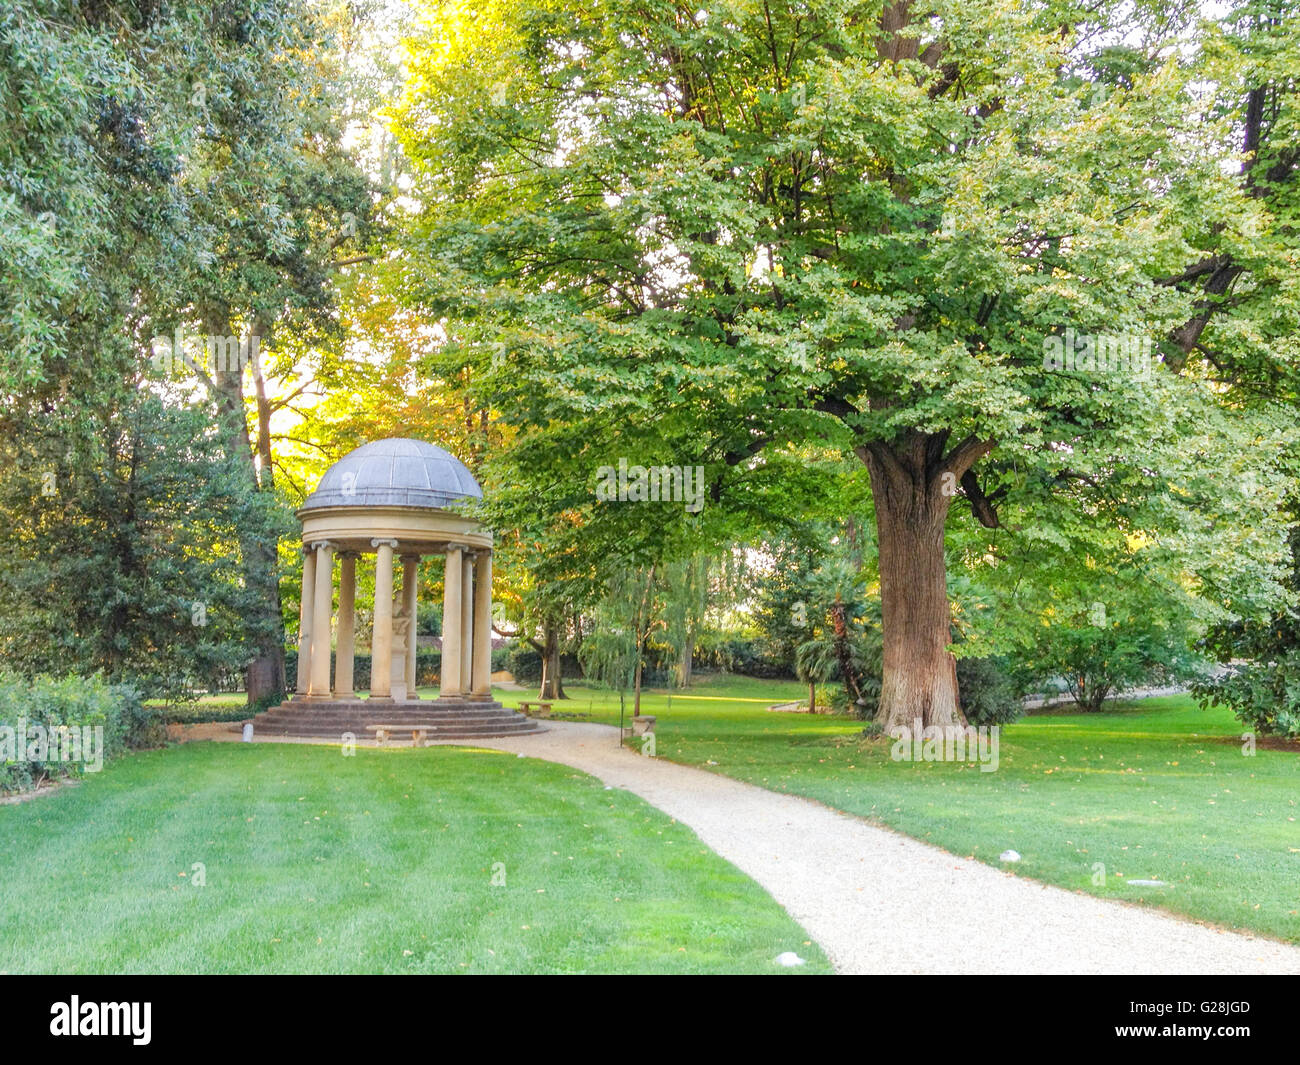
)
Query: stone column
[
  {"x": 320, "y": 627},
  {"x": 466, "y": 620},
  {"x": 410, "y": 576},
  {"x": 381, "y": 639},
  {"x": 482, "y": 685},
  {"x": 450, "y": 678},
  {"x": 305, "y": 609},
  {"x": 347, "y": 624}
]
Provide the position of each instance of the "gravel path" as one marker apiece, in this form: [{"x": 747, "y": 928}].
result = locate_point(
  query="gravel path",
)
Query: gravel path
[{"x": 879, "y": 902}]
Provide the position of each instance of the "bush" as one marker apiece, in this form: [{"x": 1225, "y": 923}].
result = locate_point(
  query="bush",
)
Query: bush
[
  {"x": 1102, "y": 659},
  {"x": 988, "y": 691},
  {"x": 1265, "y": 696},
  {"x": 746, "y": 655},
  {"x": 194, "y": 713},
  {"x": 989, "y": 694},
  {"x": 141, "y": 728},
  {"x": 525, "y": 664},
  {"x": 840, "y": 701},
  {"x": 56, "y": 709},
  {"x": 1265, "y": 692}
]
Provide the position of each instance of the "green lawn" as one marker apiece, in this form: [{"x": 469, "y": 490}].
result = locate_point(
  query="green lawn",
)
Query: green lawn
[
  {"x": 378, "y": 863},
  {"x": 1158, "y": 790}
]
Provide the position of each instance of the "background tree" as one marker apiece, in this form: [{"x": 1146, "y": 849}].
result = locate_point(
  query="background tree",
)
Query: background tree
[
  {"x": 272, "y": 195},
  {"x": 1264, "y": 689},
  {"x": 755, "y": 228}
]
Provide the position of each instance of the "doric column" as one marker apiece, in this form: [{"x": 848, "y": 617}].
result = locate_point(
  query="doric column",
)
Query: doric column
[
  {"x": 320, "y": 627},
  {"x": 305, "y": 608},
  {"x": 410, "y": 601},
  {"x": 450, "y": 676},
  {"x": 347, "y": 624},
  {"x": 482, "y": 684},
  {"x": 466, "y": 620},
  {"x": 381, "y": 639}
]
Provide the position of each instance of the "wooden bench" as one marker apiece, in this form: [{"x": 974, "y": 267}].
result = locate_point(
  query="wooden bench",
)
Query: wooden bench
[
  {"x": 382, "y": 732},
  {"x": 544, "y": 707}
]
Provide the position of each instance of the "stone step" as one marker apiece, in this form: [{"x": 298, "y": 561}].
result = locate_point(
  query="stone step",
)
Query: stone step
[
  {"x": 405, "y": 711},
  {"x": 450, "y": 719},
  {"x": 393, "y": 714},
  {"x": 403, "y": 735},
  {"x": 362, "y": 722},
  {"x": 424, "y": 707}
]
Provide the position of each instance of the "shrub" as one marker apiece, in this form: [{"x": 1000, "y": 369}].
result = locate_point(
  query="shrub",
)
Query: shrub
[
  {"x": 1265, "y": 696},
  {"x": 750, "y": 656},
  {"x": 989, "y": 694},
  {"x": 840, "y": 702},
  {"x": 525, "y": 664},
  {"x": 194, "y": 713},
  {"x": 140, "y": 727},
  {"x": 54, "y": 705},
  {"x": 1102, "y": 658},
  {"x": 1265, "y": 692},
  {"x": 988, "y": 691}
]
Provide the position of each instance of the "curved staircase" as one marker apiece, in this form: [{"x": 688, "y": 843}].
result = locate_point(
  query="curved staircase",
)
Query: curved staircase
[{"x": 438, "y": 719}]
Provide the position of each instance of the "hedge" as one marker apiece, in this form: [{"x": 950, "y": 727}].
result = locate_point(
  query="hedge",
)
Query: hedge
[
  {"x": 36, "y": 709},
  {"x": 525, "y": 665},
  {"x": 748, "y": 656}
]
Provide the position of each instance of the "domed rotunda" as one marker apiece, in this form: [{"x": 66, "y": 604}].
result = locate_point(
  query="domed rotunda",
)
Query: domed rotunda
[{"x": 393, "y": 499}]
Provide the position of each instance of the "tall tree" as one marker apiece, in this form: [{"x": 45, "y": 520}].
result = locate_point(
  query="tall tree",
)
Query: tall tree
[
  {"x": 274, "y": 197},
  {"x": 112, "y": 560},
  {"x": 755, "y": 226},
  {"x": 175, "y": 168}
]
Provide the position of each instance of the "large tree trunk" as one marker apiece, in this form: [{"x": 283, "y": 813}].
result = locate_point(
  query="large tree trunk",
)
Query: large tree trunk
[
  {"x": 912, "y": 496},
  {"x": 843, "y": 655},
  {"x": 636, "y": 687},
  {"x": 552, "y": 663},
  {"x": 264, "y": 675},
  {"x": 641, "y": 628},
  {"x": 686, "y": 661}
]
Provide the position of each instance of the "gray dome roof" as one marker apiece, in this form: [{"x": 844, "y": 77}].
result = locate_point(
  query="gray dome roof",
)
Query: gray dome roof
[{"x": 395, "y": 473}]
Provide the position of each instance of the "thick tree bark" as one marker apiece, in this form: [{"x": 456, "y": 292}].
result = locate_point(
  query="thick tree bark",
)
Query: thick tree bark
[
  {"x": 636, "y": 688},
  {"x": 840, "y": 629},
  {"x": 265, "y": 459},
  {"x": 552, "y": 663},
  {"x": 912, "y": 486},
  {"x": 686, "y": 661},
  {"x": 1089, "y": 697},
  {"x": 641, "y": 629},
  {"x": 264, "y": 674}
]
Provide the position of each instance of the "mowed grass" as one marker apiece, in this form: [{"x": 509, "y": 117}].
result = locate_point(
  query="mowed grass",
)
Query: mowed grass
[
  {"x": 1156, "y": 790},
  {"x": 378, "y": 863}
]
